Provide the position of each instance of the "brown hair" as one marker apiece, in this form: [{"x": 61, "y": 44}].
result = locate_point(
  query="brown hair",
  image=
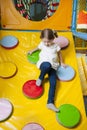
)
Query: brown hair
[{"x": 48, "y": 33}]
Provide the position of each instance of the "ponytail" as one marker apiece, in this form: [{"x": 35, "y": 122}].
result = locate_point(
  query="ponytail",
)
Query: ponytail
[
  {"x": 55, "y": 33},
  {"x": 48, "y": 33}
]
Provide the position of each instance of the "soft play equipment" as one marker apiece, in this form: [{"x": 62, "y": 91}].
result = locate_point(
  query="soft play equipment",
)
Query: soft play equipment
[
  {"x": 80, "y": 35},
  {"x": 31, "y": 90},
  {"x": 34, "y": 57},
  {"x": 9, "y": 42},
  {"x": 63, "y": 42},
  {"x": 57, "y": 21},
  {"x": 69, "y": 115},
  {"x": 7, "y": 69},
  {"x": 6, "y": 109},
  {"x": 82, "y": 71},
  {"x": 74, "y": 24},
  {"x": 33, "y": 126},
  {"x": 27, "y": 110},
  {"x": 65, "y": 73}
]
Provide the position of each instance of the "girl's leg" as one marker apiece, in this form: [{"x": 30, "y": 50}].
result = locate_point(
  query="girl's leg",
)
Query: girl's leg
[
  {"x": 52, "y": 79},
  {"x": 45, "y": 68}
]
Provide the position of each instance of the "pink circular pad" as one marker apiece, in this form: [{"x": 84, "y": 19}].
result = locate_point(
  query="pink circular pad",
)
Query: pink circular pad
[
  {"x": 33, "y": 126},
  {"x": 5, "y": 109},
  {"x": 63, "y": 42}
]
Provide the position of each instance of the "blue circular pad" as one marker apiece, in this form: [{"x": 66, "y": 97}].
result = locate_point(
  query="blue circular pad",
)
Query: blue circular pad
[
  {"x": 9, "y": 42},
  {"x": 65, "y": 73}
]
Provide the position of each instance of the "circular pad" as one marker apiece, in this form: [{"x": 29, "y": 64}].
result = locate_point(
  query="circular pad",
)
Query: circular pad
[
  {"x": 33, "y": 126},
  {"x": 34, "y": 57},
  {"x": 31, "y": 90},
  {"x": 9, "y": 42},
  {"x": 69, "y": 115},
  {"x": 63, "y": 42},
  {"x": 7, "y": 69},
  {"x": 65, "y": 73},
  {"x": 5, "y": 109}
]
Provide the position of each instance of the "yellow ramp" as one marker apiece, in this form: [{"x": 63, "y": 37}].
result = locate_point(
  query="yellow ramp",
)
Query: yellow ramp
[
  {"x": 28, "y": 110},
  {"x": 82, "y": 75}
]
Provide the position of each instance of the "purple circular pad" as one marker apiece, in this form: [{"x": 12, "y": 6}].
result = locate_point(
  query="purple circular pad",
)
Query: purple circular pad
[
  {"x": 32, "y": 126},
  {"x": 5, "y": 109}
]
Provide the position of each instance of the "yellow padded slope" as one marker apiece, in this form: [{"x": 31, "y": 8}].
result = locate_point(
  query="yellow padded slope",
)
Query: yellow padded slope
[
  {"x": 82, "y": 75},
  {"x": 84, "y": 65},
  {"x": 28, "y": 110}
]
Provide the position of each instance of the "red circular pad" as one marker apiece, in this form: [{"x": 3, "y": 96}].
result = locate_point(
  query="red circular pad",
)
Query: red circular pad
[{"x": 31, "y": 90}]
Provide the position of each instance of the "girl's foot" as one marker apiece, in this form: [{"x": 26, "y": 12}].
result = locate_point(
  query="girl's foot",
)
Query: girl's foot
[
  {"x": 38, "y": 82},
  {"x": 52, "y": 107}
]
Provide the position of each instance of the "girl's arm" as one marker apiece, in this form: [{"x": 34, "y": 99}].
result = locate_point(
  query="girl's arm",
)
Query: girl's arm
[
  {"x": 61, "y": 59},
  {"x": 31, "y": 51}
]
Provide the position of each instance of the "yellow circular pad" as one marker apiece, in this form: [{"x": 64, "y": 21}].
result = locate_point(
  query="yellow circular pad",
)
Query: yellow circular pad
[{"x": 7, "y": 69}]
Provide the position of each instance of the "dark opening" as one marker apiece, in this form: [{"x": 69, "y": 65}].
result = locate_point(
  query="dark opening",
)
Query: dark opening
[{"x": 37, "y": 11}]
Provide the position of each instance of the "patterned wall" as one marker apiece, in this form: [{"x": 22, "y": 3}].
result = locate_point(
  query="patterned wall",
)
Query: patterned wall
[{"x": 23, "y": 6}]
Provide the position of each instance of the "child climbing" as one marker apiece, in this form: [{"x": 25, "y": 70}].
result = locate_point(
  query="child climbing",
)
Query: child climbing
[{"x": 49, "y": 59}]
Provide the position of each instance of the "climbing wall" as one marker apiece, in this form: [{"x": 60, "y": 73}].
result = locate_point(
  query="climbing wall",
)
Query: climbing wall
[{"x": 27, "y": 110}]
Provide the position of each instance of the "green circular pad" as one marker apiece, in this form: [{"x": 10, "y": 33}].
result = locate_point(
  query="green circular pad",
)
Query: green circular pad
[
  {"x": 34, "y": 57},
  {"x": 69, "y": 115}
]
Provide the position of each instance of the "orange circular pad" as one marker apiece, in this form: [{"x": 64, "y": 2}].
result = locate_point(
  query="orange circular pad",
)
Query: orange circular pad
[
  {"x": 31, "y": 90},
  {"x": 7, "y": 69}
]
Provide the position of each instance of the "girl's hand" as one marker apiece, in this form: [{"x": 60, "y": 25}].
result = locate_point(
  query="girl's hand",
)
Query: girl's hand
[
  {"x": 64, "y": 65},
  {"x": 30, "y": 52}
]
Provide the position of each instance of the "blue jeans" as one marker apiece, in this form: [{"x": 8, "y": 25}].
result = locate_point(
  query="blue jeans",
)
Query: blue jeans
[{"x": 46, "y": 68}]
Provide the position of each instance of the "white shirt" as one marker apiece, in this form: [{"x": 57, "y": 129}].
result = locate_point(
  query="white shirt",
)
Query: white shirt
[{"x": 48, "y": 54}]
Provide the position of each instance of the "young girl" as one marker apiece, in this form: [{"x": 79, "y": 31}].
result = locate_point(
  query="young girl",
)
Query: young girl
[{"x": 49, "y": 59}]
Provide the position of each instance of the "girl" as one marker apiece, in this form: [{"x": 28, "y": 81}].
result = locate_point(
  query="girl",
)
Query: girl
[{"x": 49, "y": 59}]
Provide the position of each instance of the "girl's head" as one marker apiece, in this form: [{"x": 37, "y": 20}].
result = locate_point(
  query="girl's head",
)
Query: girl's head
[{"x": 47, "y": 36}]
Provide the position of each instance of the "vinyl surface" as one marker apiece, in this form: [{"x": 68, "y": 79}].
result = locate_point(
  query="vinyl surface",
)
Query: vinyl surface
[
  {"x": 69, "y": 115},
  {"x": 7, "y": 69},
  {"x": 9, "y": 41},
  {"x": 65, "y": 73},
  {"x": 5, "y": 109},
  {"x": 31, "y": 90},
  {"x": 33, "y": 126},
  {"x": 34, "y": 57}
]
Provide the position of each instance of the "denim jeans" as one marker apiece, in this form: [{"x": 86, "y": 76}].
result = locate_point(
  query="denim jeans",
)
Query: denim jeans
[{"x": 46, "y": 68}]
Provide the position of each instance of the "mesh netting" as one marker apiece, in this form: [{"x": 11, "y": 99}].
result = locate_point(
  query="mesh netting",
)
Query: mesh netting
[{"x": 81, "y": 22}]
